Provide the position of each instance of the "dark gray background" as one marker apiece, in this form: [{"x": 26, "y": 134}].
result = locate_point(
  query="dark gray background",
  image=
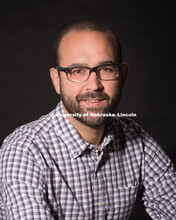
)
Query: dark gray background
[{"x": 147, "y": 33}]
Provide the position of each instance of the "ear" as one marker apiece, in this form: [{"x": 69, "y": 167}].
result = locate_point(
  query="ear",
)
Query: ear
[
  {"x": 124, "y": 72},
  {"x": 55, "y": 79}
]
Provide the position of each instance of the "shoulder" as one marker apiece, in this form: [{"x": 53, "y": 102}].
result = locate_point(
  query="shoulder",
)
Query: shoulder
[
  {"x": 126, "y": 125},
  {"x": 29, "y": 133},
  {"x": 134, "y": 133},
  {"x": 30, "y": 143}
]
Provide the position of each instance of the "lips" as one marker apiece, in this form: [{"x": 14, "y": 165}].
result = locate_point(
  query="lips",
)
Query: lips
[
  {"x": 92, "y": 97},
  {"x": 93, "y": 103},
  {"x": 93, "y": 100}
]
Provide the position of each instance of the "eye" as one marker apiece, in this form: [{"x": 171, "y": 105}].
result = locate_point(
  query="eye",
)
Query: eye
[
  {"x": 76, "y": 71},
  {"x": 107, "y": 69}
]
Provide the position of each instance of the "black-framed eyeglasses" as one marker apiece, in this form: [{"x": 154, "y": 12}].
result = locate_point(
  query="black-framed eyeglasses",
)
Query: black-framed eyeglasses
[{"x": 81, "y": 74}]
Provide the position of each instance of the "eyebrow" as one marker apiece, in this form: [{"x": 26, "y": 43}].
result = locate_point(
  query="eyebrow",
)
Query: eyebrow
[
  {"x": 106, "y": 62},
  {"x": 99, "y": 63}
]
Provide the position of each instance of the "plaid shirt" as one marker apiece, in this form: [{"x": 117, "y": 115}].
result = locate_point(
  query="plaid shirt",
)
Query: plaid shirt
[{"x": 47, "y": 171}]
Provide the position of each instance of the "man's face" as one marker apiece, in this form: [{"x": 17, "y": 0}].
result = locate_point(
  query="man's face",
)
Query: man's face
[{"x": 87, "y": 48}]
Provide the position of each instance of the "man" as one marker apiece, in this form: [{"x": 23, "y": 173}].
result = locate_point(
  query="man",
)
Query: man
[{"x": 75, "y": 163}]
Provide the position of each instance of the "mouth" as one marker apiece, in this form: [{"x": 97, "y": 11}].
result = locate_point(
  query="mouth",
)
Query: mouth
[{"x": 93, "y": 102}]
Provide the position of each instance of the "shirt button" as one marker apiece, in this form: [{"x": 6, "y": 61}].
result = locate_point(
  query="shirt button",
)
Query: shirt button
[
  {"x": 90, "y": 147},
  {"x": 100, "y": 203}
]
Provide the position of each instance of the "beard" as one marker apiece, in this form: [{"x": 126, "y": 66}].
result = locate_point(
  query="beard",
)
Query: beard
[{"x": 73, "y": 106}]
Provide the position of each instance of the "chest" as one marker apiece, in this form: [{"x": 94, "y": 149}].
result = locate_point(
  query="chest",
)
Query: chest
[{"x": 94, "y": 186}]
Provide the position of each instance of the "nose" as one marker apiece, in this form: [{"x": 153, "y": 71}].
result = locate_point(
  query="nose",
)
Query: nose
[{"x": 94, "y": 83}]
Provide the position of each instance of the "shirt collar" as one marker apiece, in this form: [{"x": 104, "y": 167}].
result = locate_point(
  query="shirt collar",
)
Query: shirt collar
[{"x": 70, "y": 136}]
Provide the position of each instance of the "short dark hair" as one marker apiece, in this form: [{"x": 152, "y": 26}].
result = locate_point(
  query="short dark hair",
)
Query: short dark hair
[{"x": 92, "y": 26}]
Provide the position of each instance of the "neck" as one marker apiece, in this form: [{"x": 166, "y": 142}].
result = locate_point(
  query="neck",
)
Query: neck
[{"x": 91, "y": 135}]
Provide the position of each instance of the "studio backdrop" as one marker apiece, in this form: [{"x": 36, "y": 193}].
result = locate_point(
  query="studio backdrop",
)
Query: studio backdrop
[{"x": 147, "y": 33}]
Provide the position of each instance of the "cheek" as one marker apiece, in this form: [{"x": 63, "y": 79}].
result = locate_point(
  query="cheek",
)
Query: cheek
[
  {"x": 112, "y": 88},
  {"x": 69, "y": 88}
]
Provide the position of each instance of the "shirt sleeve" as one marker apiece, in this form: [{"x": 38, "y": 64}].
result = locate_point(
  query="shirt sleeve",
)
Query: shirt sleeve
[
  {"x": 23, "y": 188},
  {"x": 159, "y": 182}
]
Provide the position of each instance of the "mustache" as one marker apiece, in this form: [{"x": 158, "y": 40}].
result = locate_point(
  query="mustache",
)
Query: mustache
[{"x": 92, "y": 95}]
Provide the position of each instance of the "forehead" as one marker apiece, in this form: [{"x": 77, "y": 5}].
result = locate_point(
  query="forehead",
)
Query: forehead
[{"x": 85, "y": 43}]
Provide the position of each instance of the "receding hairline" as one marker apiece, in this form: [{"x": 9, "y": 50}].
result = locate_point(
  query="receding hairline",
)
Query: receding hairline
[{"x": 92, "y": 27}]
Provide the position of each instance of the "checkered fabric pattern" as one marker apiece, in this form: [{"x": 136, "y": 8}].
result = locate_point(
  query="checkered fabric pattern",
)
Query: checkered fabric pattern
[{"x": 47, "y": 171}]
